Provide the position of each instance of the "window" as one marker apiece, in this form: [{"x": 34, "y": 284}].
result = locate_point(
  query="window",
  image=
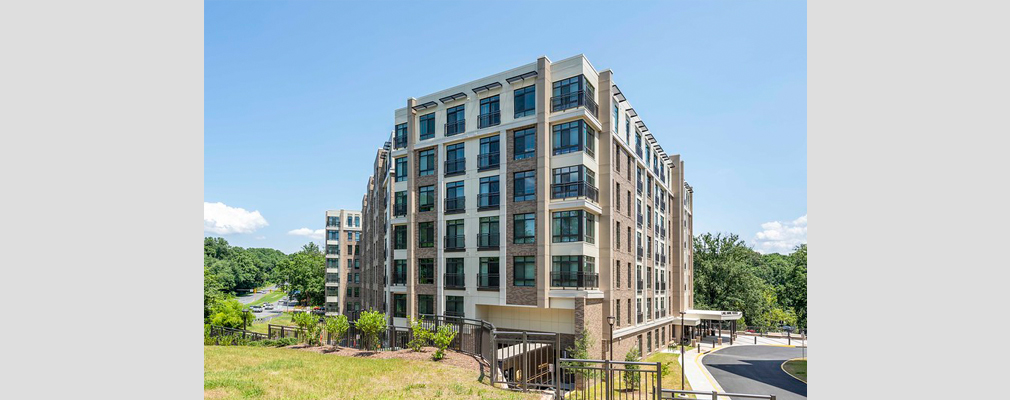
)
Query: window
[
  {"x": 571, "y": 93},
  {"x": 618, "y": 308},
  {"x": 399, "y": 272},
  {"x": 573, "y": 271},
  {"x": 455, "y": 120},
  {"x": 333, "y": 221},
  {"x": 454, "y": 235},
  {"x": 332, "y": 235},
  {"x": 489, "y": 196},
  {"x": 426, "y": 304},
  {"x": 574, "y": 136},
  {"x": 488, "y": 236},
  {"x": 426, "y": 271},
  {"x": 455, "y": 160},
  {"x": 427, "y": 126},
  {"x": 332, "y": 263},
  {"x": 454, "y": 199},
  {"x": 525, "y": 143},
  {"x": 333, "y": 278},
  {"x": 400, "y": 140},
  {"x": 400, "y": 204},
  {"x": 333, "y": 249},
  {"x": 613, "y": 124},
  {"x": 426, "y": 160},
  {"x": 524, "y": 271},
  {"x": 399, "y": 237},
  {"x": 489, "y": 112},
  {"x": 617, "y": 274},
  {"x": 454, "y": 306},
  {"x": 525, "y": 186},
  {"x": 524, "y": 229},
  {"x": 525, "y": 101},
  {"x": 487, "y": 277},
  {"x": 617, "y": 238},
  {"x": 489, "y": 154},
  {"x": 399, "y": 305},
  {"x": 454, "y": 277},
  {"x": 401, "y": 172},
  {"x": 426, "y": 234},
  {"x": 350, "y": 249},
  {"x": 569, "y": 226},
  {"x": 574, "y": 181},
  {"x": 638, "y": 143},
  {"x": 426, "y": 198},
  {"x": 357, "y": 221}
]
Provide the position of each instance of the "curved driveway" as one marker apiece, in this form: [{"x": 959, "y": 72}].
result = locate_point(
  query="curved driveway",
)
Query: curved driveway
[{"x": 756, "y": 370}]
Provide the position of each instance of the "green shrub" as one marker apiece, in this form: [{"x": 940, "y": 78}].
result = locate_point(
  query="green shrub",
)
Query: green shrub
[
  {"x": 308, "y": 325},
  {"x": 420, "y": 336},
  {"x": 227, "y": 313},
  {"x": 442, "y": 339},
  {"x": 631, "y": 376},
  {"x": 370, "y": 323},
  {"x": 336, "y": 327},
  {"x": 288, "y": 341}
]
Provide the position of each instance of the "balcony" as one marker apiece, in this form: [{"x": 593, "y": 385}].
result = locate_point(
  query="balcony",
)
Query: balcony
[
  {"x": 640, "y": 285},
  {"x": 455, "y": 281},
  {"x": 487, "y": 281},
  {"x": 488, "y": 201},
  {"x": 400, "y": 210},
  {"x": 488, "y": 161},
  {"x": 455, "y": 243},
  {"x": 575, "y": 190},
  {"x": 455, "y": 205},
  {"x": 452, "y": 313},
  {"x": 640, "y": 251},
  {"x": 455, "y": 128},
  {"x": 640, "y": 220},
  {"x": 575, "y": 279},
  {"x": 401, "y": 142},
  {"x": 572, "y": 100},
  {"x": 640, "y": 319},
  {"x": 425, "y": 280},
  {"x": 489, "y": 119},
  {"x": 400, "y": 278},
  {"x": 455, "y": 167},
  {"x": 487, "y": 241}
]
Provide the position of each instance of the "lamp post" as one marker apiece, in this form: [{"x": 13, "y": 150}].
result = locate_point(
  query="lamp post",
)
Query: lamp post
[
  {"x": 682, "y": 357},
  {"x": 611, "y": 321},
  {"x": 245, "y": 317}
]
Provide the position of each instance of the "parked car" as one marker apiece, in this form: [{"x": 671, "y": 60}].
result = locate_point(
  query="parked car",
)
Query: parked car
[
  {"x": 268, "y": 306},
  {"x": 256, "y": 309}
]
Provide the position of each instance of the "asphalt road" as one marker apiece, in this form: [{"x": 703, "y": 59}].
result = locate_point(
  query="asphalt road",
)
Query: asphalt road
[{"x": 756, "y": 370}]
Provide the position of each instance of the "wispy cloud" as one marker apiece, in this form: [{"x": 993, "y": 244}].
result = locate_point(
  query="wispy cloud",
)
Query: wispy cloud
[
  {"x": 222, "y": 219},
  {"x": 781, "y": 236},
  {"x": 309, "y": 233}
]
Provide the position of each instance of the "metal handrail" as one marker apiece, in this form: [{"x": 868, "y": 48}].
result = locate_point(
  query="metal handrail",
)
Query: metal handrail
[
  {"x": 575, "y": 189},
  {"x": 457, "y": 203},
  {"x": 715, "y": 395},
  {"x": 573, "y": 100},
  {"x": 488, "y": 240},
  {"x": 455, "y": 128},
  {"x": 489, "y": 160},
  {"x": 489, "y": 119},
  {"x": 456, "y": 166},
  {"x": 454, "y": 280},
  {"x": 484, "y": 200},
  {"x": 458, "y": 242}
]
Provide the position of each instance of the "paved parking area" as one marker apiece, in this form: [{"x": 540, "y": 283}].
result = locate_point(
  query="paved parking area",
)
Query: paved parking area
[{"x": 756, "y": 370}]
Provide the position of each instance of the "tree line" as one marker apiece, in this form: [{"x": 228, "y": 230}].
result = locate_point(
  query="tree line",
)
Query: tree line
[{"x": 770, "y": 289}]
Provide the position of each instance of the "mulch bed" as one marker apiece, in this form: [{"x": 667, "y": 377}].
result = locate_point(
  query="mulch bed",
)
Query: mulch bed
[{"x": 451, "y": 357}]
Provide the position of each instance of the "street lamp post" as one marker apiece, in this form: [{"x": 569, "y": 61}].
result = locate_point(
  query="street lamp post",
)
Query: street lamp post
[
  {"x": 245, "y": 317},
  {"x": 682, "y": 357},
  {"x": 611, "y": 321}
]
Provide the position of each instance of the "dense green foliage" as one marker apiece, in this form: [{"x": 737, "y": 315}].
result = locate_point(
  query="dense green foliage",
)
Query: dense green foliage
[
  {"x": 228, "y": 313},
  {"x": 336, "y": 327},
  {"x": 304, "y": 272},
  {"x": 770, "y": 289},
  {"x": 236, "y": 268},
  {"x": 420, "y": 336},
  {"x": 446, "y": 333},
  {"x": 370, "y": 323},
  {"x": 631, "y": 375},
  {"x": 309, "y": 325}
]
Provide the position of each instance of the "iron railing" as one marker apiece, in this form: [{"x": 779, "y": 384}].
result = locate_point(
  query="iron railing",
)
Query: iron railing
[
  {"x": 455, "y": 280},
  {"x": 489, "y": 119},
  {"x": 487, "y": 240},
  {"x": 218, "y": 331},
  {"x": 572, "y": 100},
  {"x": 605, "y": 379},
  {"x": 675, "y": 394},
  {"x": 455, "y": 128},
  {"x": 488, "y": 201},
  {"x": 575, "y": 189},
  {"x": 455, "y": 243},
  {"x": 488, "y": 161},
  {"x": 399, "y": 278},
  {"x": 575, "y": 279},
  {"x": 487, "y": 281},
  {"x": 455, "y": 167},
  {"x": 455, "y": 204},
  {"x": 399, "y": 210}
]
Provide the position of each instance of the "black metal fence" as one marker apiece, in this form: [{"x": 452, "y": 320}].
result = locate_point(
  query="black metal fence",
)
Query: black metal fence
[
  {"x": 602, "y": 379},
  {"x": 525, "y": 360},
  {"x": 218, "y": 331},
  {"x": 683, "y": 394}
]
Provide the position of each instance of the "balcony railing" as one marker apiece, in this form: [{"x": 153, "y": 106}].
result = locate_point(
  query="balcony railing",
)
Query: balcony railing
[
  {"x": 455, "y": 204},
  {"x": 400, "y": 210},
  {"x": 488, "y": 201},
  {"x": 572, "y": 100},
  {"x": 640, "y": 220},
  {"x": 452, "y": 313},
  {"x": 455, "y": 281},
  {"x": 640, "y": 319},
  {"x": 399, "y": 278},
  {"x": 425, "y": 280},
  {"x": 455, "y": 243},
  {"x": 455, "y": 167},
  {"x": 575, "y": 189},
  {"x": 455, "y": 128},
  {"x": 488, "y": 161},
  {"x": 487, "y": 240},
  {"x": 575, "y": 279},
  {"x": 487, "y": 281},
  {"x": 640, "y": 251},
  {"x": 489, "y": 119},
  {"x": 640, "y": 285},
  {"x": 640, "y": 187},
  {"x": 400, "y": 142}
]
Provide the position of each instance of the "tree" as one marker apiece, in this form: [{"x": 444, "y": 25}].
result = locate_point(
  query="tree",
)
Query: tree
[
  {"x": 228, "y": 313},
  {"x": 370, "y": 323},
  {"x": 631, "y": 375},
  {"x": 336, "y": 327},
  {"x": 304, "y": 272},
  {"x": 725, "y": 276},
  {"x": 308, "y": 324},
  {"x": 211, "y": 291}
]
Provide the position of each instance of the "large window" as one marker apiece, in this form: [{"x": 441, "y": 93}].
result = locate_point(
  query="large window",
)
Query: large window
[
  {"x": 454, "y": 235},
  {"x": 399, "y": 305},
  {"x": 332, "y": 263},
  {"x": 333, "y": 249},
  {"x": 574, "y": 181},
  {"x": 489, "y": 154},
  {"x": 426, "y": 160},
  {"x": 400, "y": 203},
  {"x": 487, "y": 277},
  {"x": 454, "y": 199},
  {"x": 525, "y": 143},
  {"x": 574, "y": 271},
  {"x": 426, "y": 304},
  {"x": 455, "y": 159},
  {"x": 426, "y": 234},
  {"x": 524, "y": 228},
  {"x": 573, "y": 136},
  {"x": 613, "y": 124},
  {"x": 332, "y": 235},
  {"x": 427, "y": 126},
  {"x": 426, "y": 198},
  {"x": 455, "y": 120},
  {"x": 400, "y": 140},
  {"x": 573, "y": 226},
  {"x": 488, "y": 236},
  {"x": 401, "y": 170},
  {"x": 454, "y": 277},
  {"x": 333, "y": 221},
  {"x": 489, "y": 196},
  {"x": 573, "y": 92},
  {"x": 454, "y": 306},
  {"x": 399, "y": 237},
  {"x": 399, "y": 272},
  {"x": 426, "y": 271},
  {"x": 524, "y": 271},
  {"x": 490, "y": 114},
  {"x": 525, "y": 101},
  {"x": 525, "y": 186}
]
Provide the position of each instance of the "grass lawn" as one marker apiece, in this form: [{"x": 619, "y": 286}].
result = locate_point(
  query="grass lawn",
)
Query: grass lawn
[
  {"x": 279, "y": 373},
  {"x": 271, "y": 297},
  {"x": 283, "y": 319},
  {"x": 671, "y": 380},
  {"x": 797, "y": 368}
]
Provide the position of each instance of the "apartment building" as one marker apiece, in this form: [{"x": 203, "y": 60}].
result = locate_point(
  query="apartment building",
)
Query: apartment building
[
  {"x": 343, "y": 261},
  {"x": 536, "y": 199}
]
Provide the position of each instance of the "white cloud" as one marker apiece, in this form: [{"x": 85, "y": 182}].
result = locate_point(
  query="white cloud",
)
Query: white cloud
[
  {"x": 224, "y": 220},
  {"x": 781, "y": 236},
  {"x": 260, "y": 237},
  {"x": 309, "y": 233}
]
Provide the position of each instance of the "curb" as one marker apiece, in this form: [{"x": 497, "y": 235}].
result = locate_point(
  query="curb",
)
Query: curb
[
  {"x": 704, "y": 371},
  {"x": 783, "y": 366}
]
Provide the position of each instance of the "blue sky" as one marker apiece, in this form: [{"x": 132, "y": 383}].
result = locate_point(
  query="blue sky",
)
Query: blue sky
[{"x": 295, "y": 91}]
